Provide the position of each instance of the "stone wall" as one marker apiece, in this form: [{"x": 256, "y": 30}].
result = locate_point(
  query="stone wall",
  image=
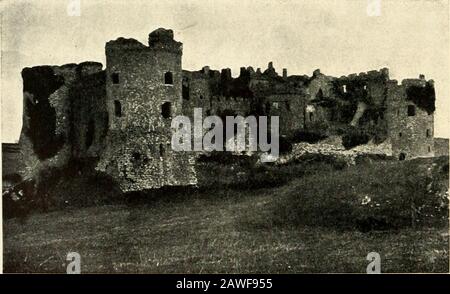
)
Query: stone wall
[
  {"x": 410, "y": 127},
  {"x": 333, "y": 147},
  {"x": 53, "y": 105},
  {"x": 11, "y": 165},
  {"x": 290, "y": 108},
  {"x": 441, "y": 146},
  {"x": 89, "y": 113},
  {"x": 11, "y": 159},
  {"x": 144, "y": 92},
  {"x": 369, "y": 102}
]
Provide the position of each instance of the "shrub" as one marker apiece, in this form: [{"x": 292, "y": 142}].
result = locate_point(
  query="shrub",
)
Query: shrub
[
  {"x": 75, "y": 185},
  {"x": 354, "y": 138},
  {"x": 307, "y": 136},
  {"x": 225, "y": 158},
  {"x": 386, "y": 195},
  {"x": 285, "y": 145},
  {"x": 313, "y": 159},
  {"x": 18, "y": 201}
]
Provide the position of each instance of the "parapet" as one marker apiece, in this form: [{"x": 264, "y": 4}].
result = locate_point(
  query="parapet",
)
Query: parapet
[
  {"x": 382, "y": 74},
  {"x": 226, "y": 74},
  {"x": 89, "y": 67},
  {"x": 160, "y": 35},
  {"x": 124, "y": 43},
  {"x": 414, "y": 82},
  {"x": 160, "y": 39},
  {"x": 163, "y": 39},
  {"x": 68, "y": 72}
]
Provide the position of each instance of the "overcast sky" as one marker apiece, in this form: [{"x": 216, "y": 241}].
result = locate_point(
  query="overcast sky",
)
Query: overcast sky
[{"x": 339, "y": 37}]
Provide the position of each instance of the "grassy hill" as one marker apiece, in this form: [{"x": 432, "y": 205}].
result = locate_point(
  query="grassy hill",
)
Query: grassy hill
[{"x": 294, "y": 224}]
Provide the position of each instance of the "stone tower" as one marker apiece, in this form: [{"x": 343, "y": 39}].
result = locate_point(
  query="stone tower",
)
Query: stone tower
[
  {"x": 144, "y": 93},
  {"x": 410, "y": 110}
]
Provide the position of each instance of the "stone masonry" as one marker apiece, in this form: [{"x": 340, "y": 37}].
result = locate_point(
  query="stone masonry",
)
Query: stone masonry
[{"x": 119, "y": 117}]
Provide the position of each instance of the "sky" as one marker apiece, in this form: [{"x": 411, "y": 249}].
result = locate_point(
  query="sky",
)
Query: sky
[{"x": 341, "y": 37}]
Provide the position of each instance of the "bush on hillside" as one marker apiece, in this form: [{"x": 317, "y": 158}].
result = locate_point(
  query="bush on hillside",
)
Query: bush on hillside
[
  {"x": 72, "y": 186},
  {"x": 386, "y": 195}
]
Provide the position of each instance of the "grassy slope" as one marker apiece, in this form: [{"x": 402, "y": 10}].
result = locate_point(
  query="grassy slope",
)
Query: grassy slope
[{"x": 219, "y": 231}]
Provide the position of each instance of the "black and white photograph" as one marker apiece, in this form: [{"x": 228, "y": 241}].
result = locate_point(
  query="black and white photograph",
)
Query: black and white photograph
[{"x": 225, "y": 137}]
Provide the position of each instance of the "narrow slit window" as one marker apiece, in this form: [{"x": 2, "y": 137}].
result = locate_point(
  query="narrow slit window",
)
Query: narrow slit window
[
  {"x": 115, "y": 78},
  {"x": 90, "y": 133},
  {"x": 117, "y": 108},
  {"x": 411, "y": 110},
  {"x": 185, "y": 89}
]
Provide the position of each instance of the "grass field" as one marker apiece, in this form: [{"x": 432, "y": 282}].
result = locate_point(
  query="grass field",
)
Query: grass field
[{"x": 210, "y": 231}]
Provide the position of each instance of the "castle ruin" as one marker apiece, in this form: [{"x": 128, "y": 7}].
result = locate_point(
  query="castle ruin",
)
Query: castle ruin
[{"x": 119, "y": 117}]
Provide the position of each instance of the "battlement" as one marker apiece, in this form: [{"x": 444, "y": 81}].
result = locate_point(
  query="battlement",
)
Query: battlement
[
  {"x": 382, "y": 74},
  {"x": 66, "y": 73}
]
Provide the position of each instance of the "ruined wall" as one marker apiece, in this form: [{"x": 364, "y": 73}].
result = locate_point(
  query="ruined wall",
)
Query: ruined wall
[
  {"x": 290, "y": 109},
  {"x": 11, "y": 159},
  {"x": 251, "y": 93},
  {"x": 441, "y": 146},
  {"x": 369, "y": 87},
  {"x": 48, "y": 129},
  {"x": 122, "y": 115},
  {"x": 144, "y": 92},
  {"x": 11, "y": 165},
  {"x": 355, "y": 100},
  {"x": 217, "y": 92},
  {"x": 230, "y": 105},
  {"x": 319, "y": 107},
  {"x": 89, "y": 117},
  {"x": 196, "y": 93},
  {"x": 410, "y": 127}
]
